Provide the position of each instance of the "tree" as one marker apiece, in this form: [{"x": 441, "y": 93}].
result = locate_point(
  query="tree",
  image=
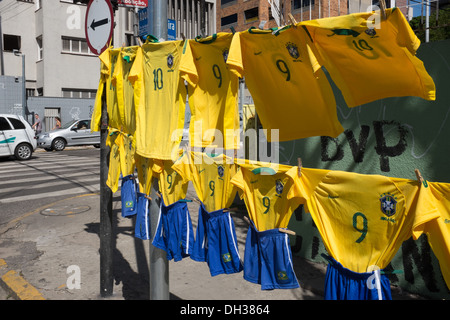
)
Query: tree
[{"x": 439, "y": 29}]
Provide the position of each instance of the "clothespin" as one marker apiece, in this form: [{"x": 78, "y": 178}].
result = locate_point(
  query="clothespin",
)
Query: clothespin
[
  {"x": 183, "y": 36},
  {"x": 299, "y": 160},
  {"x": 418, "y": 175},
  {"x": 287, "y": 231},
  {"x": 292, "y": 19},
  {"x": 383, "y": 9},
  {"x": 233, "y": 30},
  {"x": 147, "y": 197}
]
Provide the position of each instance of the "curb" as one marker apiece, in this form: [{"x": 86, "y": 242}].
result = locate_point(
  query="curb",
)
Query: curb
[{"x": 16, "y": 285}]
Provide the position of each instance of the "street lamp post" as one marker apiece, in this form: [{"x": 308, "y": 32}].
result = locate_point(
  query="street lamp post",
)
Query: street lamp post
[{"x": 24, "y": 86}]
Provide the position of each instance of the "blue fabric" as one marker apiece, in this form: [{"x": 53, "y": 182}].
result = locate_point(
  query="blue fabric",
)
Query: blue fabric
[
  {"x": 174, "y": 233},
  {"x": 128, "y": 196},
  {"x": 268, "y": 260},
  {"x": 142, "y": 226},
  {"x": 216, "y": 242},
  {"x": 344, "y": 284}
]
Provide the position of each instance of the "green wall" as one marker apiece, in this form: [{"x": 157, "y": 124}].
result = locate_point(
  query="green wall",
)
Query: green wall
[{"x": 391, "y": 137}]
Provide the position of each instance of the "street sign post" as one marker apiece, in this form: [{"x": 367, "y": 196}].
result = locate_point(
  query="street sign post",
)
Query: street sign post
[{"x": 99, "y": 25}]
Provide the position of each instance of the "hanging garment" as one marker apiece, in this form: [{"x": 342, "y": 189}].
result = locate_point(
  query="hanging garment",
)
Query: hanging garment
[
  {"x": 364, "y": 219},
  {"x": 370, "y": 58},
  {"x": 174, "y": 233},
  {"x": 211, "y": 175},
  {"x": 144, "y": 170},
  {"x": 121, "y": 158},
  {"x": 171, "y": 184},
  {"x": 438, "y": 230},
  {"x": 128, "y": 196},
  {"x": 268, "y": 259},
  {"x": 142, "y": 225},
  {"x": 216, "y": 242},
  {"x": 108, "y": 62},
  {"x": 124, "y": 89},
  {"x": 344, "y": 284},
  {"x": 279, "y": 72},
  {"x": 268, "y": 191},
  {"x": 160, "y": 98},
  {"x": 212, "y": 91}
]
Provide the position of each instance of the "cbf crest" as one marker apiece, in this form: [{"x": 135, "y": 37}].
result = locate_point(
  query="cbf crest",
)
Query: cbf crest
[
  {"x": 220, "y": 171},
  {"x": 388, "y": 204},
  {"x": 279, "y": 187},
  {"x": 170, "y": 61},
  {"x": 293, "y": 50}
]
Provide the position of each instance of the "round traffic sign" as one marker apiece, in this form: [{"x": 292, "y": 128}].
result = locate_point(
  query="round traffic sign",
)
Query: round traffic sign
[{"x": 99, "y": 25}]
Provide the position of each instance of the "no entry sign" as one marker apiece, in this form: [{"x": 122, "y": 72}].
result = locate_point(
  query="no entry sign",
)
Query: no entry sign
[{"x": 99, "y": 25}]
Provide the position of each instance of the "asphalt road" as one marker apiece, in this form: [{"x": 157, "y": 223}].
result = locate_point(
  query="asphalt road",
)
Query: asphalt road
[{"x": 46, "y": 178}]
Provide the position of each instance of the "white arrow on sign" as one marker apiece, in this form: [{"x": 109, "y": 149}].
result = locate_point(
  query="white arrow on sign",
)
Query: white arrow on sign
[{"x": 99, "y": 25}]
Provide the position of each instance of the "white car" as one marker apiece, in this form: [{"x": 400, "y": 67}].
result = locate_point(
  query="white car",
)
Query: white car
[{"x": 17, "y": 138}]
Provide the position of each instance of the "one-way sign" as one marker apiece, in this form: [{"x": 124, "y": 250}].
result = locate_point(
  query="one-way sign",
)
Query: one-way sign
[{"x": 99, "y": 25}]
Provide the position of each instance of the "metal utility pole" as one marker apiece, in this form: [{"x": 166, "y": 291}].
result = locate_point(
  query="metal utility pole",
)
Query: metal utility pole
[
  {"x": 159, "y": 265},
  {"x": 106, "y": 217}
]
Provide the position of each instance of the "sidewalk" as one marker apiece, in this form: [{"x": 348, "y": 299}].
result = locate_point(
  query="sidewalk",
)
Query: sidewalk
[{"x": 40, "y": 251}]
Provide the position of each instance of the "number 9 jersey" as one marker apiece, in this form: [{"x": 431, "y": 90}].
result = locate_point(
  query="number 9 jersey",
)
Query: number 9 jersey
[
  {"x": 279, "y": 73},
  {"x": 364, "y": 219}
]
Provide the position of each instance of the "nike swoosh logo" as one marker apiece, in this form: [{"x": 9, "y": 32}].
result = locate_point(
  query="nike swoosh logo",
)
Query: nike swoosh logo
[{"x": 257, "y": 53}]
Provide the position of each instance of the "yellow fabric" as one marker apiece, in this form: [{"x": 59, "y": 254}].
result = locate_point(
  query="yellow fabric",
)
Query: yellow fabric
[
  {"x": 124, "y": 88},
  {"x": 364, "y": 219},
  {"x": 368, "y": 61},
  {"x": 171, "y": 184},
  {"x": 212, "y": 91},
  {"x": 438, "y": 230},
  {"x": 160, "y": 97},
  {"x": 268, "y": 191},
  {"x": 211, "y": 175},
  {"x": 144, "y": 169},
  {"x": 279, "y": 73},
  {"x": 121, "y": 158}
]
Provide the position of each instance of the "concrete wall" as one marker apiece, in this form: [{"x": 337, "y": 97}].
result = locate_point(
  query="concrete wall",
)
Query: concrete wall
[{"x": 391, "y": 137}]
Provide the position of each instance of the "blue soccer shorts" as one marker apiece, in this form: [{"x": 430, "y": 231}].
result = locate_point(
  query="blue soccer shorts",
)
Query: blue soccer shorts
[
  {"x": 142, "y": 225},
  {"x": 344, "y": 284},
  {"x": 268, "y": 259},
  {"x": 216, "y": 242},
  {"x": 128, "y": 193},
  {"x": 174, "y": 233}
]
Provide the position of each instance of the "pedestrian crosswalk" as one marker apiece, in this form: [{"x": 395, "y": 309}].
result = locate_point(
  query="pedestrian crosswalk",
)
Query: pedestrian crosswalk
[{"x": 49, "y": 175}]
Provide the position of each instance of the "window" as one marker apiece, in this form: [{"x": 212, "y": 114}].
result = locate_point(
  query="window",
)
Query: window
[
  {"x": 229, "y": 20},
  {"x": 251, "y": 15},
  {"x": 4, "y": 125},
  {"x": 78, "y": 93},
  {"x": 75, "y": 45},
  {"x": 11, "y": 42},
  {"x": 40, "y": 48},
  {"x": 297, "y": 4},
  {"x": 17, "y": 124},
  {"x": 225, "y": 2}
]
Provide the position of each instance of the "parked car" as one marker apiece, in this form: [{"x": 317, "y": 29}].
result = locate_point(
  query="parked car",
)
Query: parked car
[
  {"x": 73, "y": 133},
  {"x": 17, "y": 138}
]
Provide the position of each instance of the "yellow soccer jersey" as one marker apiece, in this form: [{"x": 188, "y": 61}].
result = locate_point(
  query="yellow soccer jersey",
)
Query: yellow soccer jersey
[
  {"x": 368, "y": 63},
  {"x": 212, "y": 92},
  {"x": 438, "y": 230},
  {"x": 108, "y": 60},
  {"x": 160, "y": 97},
  {"x": 144, "y": 170},
  {"x": 121, "y": 158},
  {"x": 364, "y": 219},
  {"x": 124, "y": 89},
  {"x": 268, "y": 191},
  {"x": 211, "y": 175},
  {"x": 171, "y": 184},
  {"x": 279, "y": 73}
]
